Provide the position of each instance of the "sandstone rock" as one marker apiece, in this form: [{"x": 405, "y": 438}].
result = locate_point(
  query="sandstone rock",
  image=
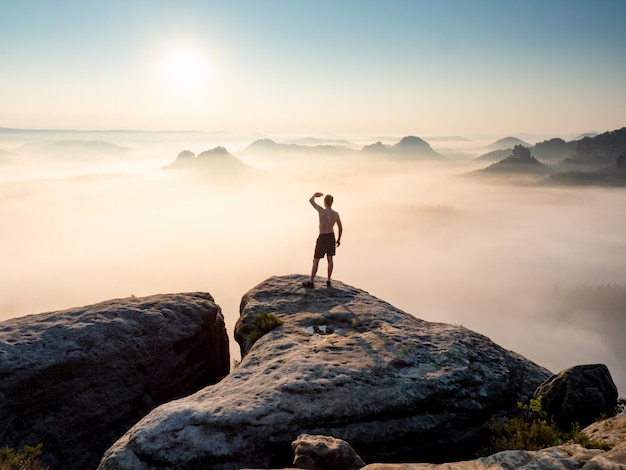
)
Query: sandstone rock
[
  {"x": 77, "y": 379},
  {"x": 579, "y": 394},
  {"x": 324, "y": 453},
  {"x": 346, "y": 364}
]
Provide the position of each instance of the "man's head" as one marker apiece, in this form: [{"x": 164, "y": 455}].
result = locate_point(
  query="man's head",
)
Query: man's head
[{"x": 328, "y": 200}]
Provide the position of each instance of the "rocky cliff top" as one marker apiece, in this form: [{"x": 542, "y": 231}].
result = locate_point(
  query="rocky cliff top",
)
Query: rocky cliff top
[{"x": 343, "y": 363}]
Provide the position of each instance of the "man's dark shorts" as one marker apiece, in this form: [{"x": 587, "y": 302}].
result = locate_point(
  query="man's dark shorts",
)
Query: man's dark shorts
[{"x": 325, "y": 245}]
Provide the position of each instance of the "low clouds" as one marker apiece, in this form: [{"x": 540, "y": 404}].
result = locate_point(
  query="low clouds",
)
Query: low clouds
[{"x": 526, "y": 266}]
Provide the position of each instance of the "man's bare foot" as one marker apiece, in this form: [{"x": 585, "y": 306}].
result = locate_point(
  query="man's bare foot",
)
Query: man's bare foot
[
  {"x": 328, "y": 283},
  {"x": 308, "y": 284}
]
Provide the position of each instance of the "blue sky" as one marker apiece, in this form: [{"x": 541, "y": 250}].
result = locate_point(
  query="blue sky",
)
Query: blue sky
[{"x": 294, "y": 67}]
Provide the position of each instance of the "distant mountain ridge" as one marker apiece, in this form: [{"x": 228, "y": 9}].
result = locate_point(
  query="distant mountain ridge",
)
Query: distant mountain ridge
[
  {"x": 271, "y": 146},
  {"x": 409, "y": 147},
  {"x": 215, "y": 158},
  {"x": 72, "y": 148},
  {"x": 552, "y": 150},
  {"x": 601, "y": 150},
  {"x": 598, "y": 160}
]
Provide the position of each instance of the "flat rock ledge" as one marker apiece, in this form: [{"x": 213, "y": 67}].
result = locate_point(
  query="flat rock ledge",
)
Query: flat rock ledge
[
  {"x": 342, "y": 364},
  {"x": 76, "y": 380}
]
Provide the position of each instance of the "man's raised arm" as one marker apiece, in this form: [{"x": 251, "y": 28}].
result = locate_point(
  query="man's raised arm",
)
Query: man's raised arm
[{"x": 315, "y": 204}]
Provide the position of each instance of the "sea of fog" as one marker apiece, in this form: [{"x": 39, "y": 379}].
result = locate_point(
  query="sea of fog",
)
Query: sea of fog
[{"x": 540, "y": 270}]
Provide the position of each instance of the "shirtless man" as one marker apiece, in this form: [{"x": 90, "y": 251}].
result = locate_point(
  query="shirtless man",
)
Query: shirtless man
[{"x": 326, "y": 243}]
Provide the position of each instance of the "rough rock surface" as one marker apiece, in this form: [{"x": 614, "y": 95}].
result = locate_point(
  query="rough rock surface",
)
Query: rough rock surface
[
  {"x": 324, "y": 453},
  {"x": 76, "y": 380},
  {"x": 564, "y": 457},
  {"x": 346, "y": 364},
  {"x": 579, "y": 394}
]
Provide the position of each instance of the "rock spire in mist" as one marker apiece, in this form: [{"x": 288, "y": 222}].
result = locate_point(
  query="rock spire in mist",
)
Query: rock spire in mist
[{"x": 519, "y": 161}]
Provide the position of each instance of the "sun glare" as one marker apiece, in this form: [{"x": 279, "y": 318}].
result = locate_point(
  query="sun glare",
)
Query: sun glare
[{"x": 186, "y": 71}]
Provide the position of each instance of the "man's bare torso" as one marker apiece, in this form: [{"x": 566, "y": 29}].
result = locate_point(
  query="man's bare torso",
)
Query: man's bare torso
[{"x": 328, "y": 219}]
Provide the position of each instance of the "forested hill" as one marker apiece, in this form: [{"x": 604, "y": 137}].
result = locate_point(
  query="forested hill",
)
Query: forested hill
[{"x": 601, "y": 149}]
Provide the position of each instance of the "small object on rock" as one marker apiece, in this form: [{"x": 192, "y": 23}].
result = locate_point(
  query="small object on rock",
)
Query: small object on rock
[{"x": 315, "y": 452}]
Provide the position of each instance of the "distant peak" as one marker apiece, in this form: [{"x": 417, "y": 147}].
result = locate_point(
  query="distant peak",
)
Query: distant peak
[
  {"x": 186, "y": 155},
  {"x": 412, "y": 144},
  {"x": 263, "y": 142},
  {"x": 411, "y": 140},
  {"x": 215, "y": 151},
  {"x": 507, "y": 143}
]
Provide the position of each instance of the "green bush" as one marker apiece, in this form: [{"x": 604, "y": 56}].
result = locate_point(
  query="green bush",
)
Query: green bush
[
  {"x": 24, "y": 459},
  {"x": 579, "y": 437},
  {"x": 533, "y": 431},
  {"x": 263, "y": 324}
]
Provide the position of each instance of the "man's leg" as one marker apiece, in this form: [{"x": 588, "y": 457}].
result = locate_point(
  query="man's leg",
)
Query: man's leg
[
  {"x": 330, "y": 267},
  {"x": 316, "y": 262}
]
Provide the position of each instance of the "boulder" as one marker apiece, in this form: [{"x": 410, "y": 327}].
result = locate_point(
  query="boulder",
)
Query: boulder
[
  {"x": 76, "y": 380},
  {"x": 324, "y": 453},
  {"x": 579, "y": 394},
  {"x": 343, "y": 363}
]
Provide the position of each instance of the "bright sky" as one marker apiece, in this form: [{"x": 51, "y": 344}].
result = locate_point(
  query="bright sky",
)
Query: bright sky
[{"x": 348, "y": 67}]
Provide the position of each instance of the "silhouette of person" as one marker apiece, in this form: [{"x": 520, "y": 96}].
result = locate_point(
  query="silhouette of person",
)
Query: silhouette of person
[{"x": 326, "y": 243}]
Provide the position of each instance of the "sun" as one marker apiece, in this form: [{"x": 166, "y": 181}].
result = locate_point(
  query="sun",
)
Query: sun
[{"x": 186, "y": 70}]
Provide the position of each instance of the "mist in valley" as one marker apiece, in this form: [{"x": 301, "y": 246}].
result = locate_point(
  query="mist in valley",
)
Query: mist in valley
[{"x": 539, "y": 269}]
